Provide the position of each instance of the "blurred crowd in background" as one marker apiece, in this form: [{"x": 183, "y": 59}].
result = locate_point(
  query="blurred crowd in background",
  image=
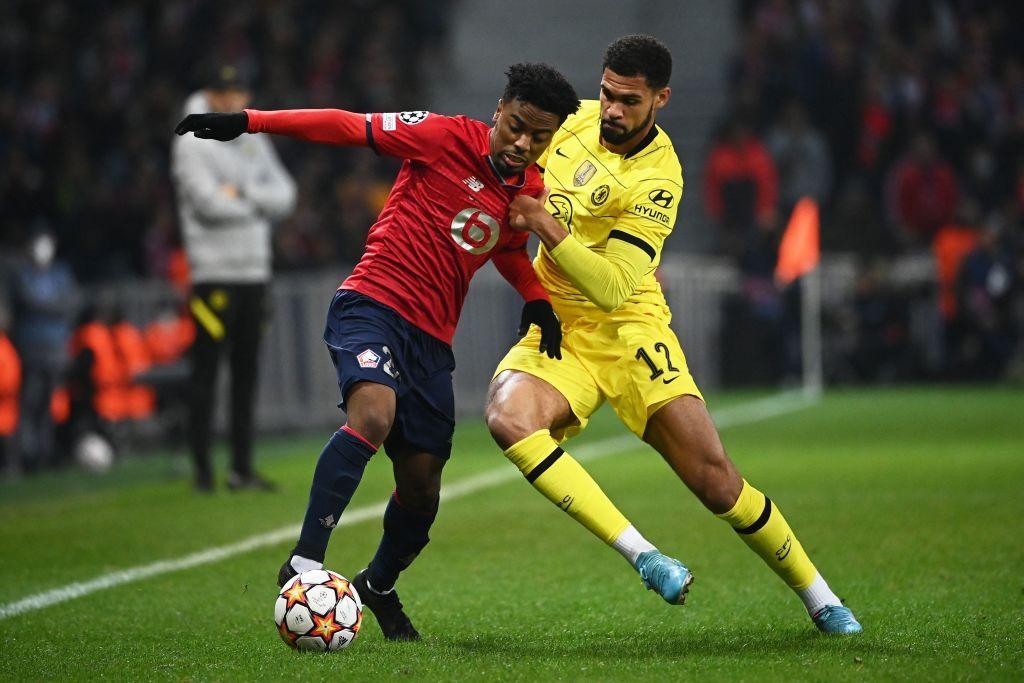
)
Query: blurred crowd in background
[
  {"x": 90, "y": 92},
  {"x": 903, "y": 119}
]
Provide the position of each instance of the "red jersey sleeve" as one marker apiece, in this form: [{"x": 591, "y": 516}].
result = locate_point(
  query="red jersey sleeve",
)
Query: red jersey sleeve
[
  {"x": 330, "y": 126},
  {"x": 417, "y": 135},
  {"x": 514, "y": 265}
]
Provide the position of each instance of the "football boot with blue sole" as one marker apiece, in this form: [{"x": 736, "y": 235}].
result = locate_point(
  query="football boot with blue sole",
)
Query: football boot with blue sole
[
  {"x": 664, "y": 575},
  {"x": 836, "y": 620}
]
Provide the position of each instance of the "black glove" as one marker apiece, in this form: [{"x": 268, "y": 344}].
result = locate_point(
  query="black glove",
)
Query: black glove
[
  {"x": 221, "y": 127},
  {"x": 540, "y": 313}
]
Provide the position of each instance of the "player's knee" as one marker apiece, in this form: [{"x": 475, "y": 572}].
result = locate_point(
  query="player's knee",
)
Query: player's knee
[
  {"x": 508, "y": 426},
  {"x": 371, "y": 410},
  {"x": 419, "y": 492},
  {"x": 422, "y": 500},
  {"x": 374, "y": 427},
  {"x": 720, "y": 485}
]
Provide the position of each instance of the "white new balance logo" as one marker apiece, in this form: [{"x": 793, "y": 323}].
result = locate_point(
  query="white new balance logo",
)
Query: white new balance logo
[{"x": 473, "y": 183}]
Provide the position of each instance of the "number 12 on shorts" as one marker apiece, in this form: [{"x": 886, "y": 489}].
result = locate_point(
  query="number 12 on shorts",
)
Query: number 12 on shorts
[{"x": 656, "y": 372}]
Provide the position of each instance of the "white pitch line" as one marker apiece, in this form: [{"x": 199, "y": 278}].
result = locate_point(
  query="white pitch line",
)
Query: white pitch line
[{"x": 745, "y": 413}]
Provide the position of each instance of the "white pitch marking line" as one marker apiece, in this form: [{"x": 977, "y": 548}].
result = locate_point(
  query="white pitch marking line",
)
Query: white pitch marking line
[{"x": 745, "y": 413}]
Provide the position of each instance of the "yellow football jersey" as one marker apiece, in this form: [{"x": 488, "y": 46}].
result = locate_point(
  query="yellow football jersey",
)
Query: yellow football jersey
[{"x": 599, "y": 195}]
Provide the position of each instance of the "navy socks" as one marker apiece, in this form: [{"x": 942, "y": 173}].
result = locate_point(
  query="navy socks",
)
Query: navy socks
[
  {"x": 335, "y": 479},
  {"x": 405, "y": 535}
]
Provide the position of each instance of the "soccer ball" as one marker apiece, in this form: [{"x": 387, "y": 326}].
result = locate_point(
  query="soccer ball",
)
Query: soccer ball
[
  {"x": 318, "y": 610},
  {"x": 94, "y": 453}
]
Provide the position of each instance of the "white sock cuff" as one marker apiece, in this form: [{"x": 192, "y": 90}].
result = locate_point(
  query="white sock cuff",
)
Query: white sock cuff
[
  {"x": 630, "y": 544},
  {"x": 818, "y": 595},
  {"x": 304, "y": 564}
]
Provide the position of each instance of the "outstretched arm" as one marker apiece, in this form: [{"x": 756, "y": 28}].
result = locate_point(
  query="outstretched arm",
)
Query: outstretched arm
[{"x": 329, "y": 126}]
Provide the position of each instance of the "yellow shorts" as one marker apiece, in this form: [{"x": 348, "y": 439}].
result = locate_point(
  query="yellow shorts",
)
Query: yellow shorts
[{"x": 638, "y": 366}]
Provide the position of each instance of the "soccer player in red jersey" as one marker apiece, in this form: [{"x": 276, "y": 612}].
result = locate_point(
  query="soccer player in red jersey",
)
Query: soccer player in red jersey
[{"x": 390, "y": 326}]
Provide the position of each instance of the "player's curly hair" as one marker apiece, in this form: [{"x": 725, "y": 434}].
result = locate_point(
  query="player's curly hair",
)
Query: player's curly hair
[
  {"x": 542, "y": 86},
  {"x": 640, "y": 55}
]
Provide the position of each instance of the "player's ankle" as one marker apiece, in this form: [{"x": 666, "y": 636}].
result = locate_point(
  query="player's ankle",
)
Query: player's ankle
[
  {"x": 378, "y": 591},
  {"x": 304, "y": 564},
  {"x": 818, "y": 596},
  {"x": 631, "y": 544}
]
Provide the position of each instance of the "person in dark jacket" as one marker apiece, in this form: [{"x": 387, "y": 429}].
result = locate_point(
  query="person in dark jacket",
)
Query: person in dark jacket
[{"x": 43, "y": 296}]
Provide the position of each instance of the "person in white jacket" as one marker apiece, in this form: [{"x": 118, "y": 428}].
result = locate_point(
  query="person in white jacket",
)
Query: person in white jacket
[{"x": 228, "y": 197}]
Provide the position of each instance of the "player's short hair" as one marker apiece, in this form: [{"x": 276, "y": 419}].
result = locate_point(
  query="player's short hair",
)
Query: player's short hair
[
  {"x": 640, "y": 55},
  {"x": 542, "y": 86}
]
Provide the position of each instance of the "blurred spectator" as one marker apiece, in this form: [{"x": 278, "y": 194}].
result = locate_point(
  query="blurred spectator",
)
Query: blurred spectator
[
  {"x": 741, "y": 186},
  {"x": 755, "y": 332},
  {"x": 43, "y": 298},
  {"x": 228, "y": 194},
  {"x": 987, "y": 285},
  {"x": 922, "y": 192},
  {"x": 877, "y": 123},
  {"x": 882, "y": 349},
  {"x": 802, "y": 158}
]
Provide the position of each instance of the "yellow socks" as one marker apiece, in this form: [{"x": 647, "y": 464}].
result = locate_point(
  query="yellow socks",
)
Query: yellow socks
[
  {"x": 763, "y": 528},
  {"x": 565, "y": 483}
]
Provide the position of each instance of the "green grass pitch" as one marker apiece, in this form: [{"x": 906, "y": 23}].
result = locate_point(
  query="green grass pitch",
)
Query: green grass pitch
[{"x": 909, "y": 501}]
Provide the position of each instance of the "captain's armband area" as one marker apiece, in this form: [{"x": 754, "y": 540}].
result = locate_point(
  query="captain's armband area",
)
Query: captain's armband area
[{"x": 637, "y": 242}]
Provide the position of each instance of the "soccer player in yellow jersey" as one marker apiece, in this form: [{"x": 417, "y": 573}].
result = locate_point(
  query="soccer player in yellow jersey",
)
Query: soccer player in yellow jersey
[{"x": 615, "y": 183}]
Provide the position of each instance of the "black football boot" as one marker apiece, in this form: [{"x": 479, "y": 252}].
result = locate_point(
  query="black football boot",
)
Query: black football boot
[{"x": 387, "y": 608}]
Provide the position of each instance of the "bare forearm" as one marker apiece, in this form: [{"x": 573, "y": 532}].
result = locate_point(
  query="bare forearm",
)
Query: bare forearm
[{"x": 549, "y": 230}]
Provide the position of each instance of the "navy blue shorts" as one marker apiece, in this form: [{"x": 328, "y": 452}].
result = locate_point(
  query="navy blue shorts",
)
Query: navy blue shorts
[{"x": 370, "y": 342}]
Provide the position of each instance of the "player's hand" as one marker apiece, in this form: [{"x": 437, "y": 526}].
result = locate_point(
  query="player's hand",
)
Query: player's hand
[
  {"x": 540, "y": 313},
  {"x": 221, "y": 127},
  {"x": 523, "y": 211}
]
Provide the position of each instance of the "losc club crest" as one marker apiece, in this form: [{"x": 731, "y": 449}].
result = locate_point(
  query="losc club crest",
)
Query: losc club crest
[
  {"x": 368, "y": 359},
  {"x": 662, "y": 198},
  {"x": 584, "y": 173},
  {"x": 411, "y": 118}
]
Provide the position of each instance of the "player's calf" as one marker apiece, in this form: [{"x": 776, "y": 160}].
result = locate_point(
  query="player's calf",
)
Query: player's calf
[{"x": 406, "y": 534}]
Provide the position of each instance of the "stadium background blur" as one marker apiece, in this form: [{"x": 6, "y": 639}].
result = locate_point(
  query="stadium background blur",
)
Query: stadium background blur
[{"x": 904, "y": 119}]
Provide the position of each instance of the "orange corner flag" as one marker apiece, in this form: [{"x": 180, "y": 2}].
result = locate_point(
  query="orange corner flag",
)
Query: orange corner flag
[{"x": 800, "y": 249}]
